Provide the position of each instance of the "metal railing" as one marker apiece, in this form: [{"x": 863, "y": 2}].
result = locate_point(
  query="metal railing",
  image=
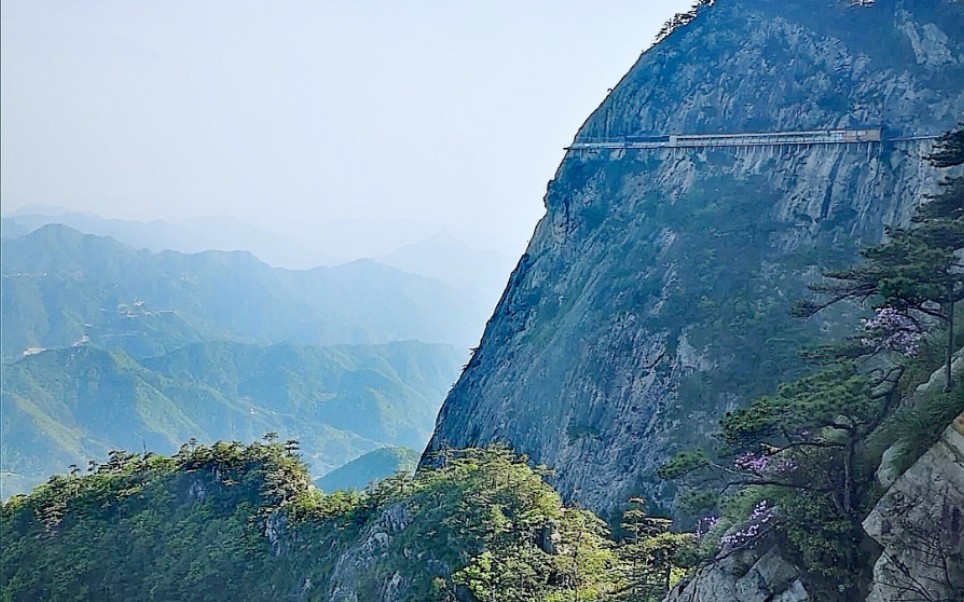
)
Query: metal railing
[{"x": 747, "y": 139}]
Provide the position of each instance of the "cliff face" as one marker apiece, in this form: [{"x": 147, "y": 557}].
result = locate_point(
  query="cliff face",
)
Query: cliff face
[
  {"x": 919, "y": 523},
  {"x": 654, "y": 293}
]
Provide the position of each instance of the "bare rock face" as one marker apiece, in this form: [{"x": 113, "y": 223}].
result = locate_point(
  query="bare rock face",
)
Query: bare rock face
[
  {"x": 920, "y": 525},
  {"x": 655, "y": 292},
  {"x": 744, "y": 577},
  {"x": 356, "y": 576}
]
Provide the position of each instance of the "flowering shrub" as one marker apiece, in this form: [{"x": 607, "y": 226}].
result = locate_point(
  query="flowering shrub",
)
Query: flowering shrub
[
  {"x": 764, "y": 464},
  {"x": 752, "y": 462},
  {"x": 891, "y": 330},
  {"x": 762, "y": 513}
]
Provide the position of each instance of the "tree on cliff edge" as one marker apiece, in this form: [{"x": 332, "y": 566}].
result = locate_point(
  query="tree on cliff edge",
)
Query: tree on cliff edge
[{"x": 918, "y": 272}]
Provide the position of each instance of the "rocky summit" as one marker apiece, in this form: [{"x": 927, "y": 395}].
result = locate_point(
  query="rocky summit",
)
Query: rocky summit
[{"x": 655, "y": 293}]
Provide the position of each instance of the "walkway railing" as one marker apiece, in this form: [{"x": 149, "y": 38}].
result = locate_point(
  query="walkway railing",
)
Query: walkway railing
[{"x": 867, "y": 136}]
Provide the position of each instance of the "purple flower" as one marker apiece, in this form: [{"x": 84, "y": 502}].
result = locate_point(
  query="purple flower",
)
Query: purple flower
[
  {"x": 761, "y": 510},
  {"x": 752, "y": 462},
  {"x": 760, "y": 464},
  {"x": 705, "y": 525},
  {"x": 891, "y": 330},
  {"x": 785, "y": 465},
  {"x": 761, "y": 514}
]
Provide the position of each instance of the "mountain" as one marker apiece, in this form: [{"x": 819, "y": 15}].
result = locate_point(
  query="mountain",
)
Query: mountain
[
  {"x": 370, "y": 468},
  {"x": 440, "y": 256},
  {"x": 649, "y": 309},
  {"x": 68, "y": 406},
  {"x": 61, "y": 287},
  {"x": 306, "y": 243},
  {"x": 11, "y": 228},
  {"x": 654, "y": 294},
  {"x": 186, "y": 236}
]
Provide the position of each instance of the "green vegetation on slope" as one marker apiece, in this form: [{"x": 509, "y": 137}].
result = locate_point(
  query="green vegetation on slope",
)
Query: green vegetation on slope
[
  {"x": 233, "y": 522},
  {"x": 371, "y": 468},
  {"x": 797, "y": 467},
  {"x": 67, "y": 406}
]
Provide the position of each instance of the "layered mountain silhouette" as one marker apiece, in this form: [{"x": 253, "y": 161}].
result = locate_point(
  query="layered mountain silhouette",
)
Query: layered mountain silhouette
[
  {"x": 106, "y": 346},
  {"x": 61, "y": 287}
]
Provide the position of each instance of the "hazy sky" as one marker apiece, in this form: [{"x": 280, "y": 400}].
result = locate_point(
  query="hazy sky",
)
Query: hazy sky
[{"x": 290, "y": 113}]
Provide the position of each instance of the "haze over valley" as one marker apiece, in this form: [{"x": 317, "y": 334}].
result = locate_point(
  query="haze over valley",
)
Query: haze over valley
[{"x": 384, "y": 283}]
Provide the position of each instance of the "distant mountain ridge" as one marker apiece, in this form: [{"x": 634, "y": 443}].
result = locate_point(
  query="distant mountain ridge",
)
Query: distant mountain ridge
[
  {"x": 448, "y": 259},
  {"x": 370, "y": 468},
  {"x": 186, "y": 236},
  {"x": 67, "y": 406},
  {"x": 61, "y": 287}
]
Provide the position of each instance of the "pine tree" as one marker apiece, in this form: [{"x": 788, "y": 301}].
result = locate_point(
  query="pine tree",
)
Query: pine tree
[{"x": 918, "y": 270}]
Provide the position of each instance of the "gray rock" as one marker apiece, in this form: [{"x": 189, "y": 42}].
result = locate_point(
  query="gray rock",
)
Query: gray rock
[
  {"x": 769, "y": 578},
  {"x": 358, "y": 568},
  {"x": 920, "y": 525},
  {"x": 654, "y": 293},
  {"x": 887, "y": 473}
]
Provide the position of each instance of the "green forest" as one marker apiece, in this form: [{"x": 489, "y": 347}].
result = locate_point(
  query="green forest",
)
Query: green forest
[
  {"x": 234, "y": 521},
  {"x": 68, "y": 406}
]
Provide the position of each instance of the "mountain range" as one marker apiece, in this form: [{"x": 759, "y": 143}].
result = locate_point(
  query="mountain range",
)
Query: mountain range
[
  {"x": 422, "y": 249},
  {"x": 71, "y": 405},
  {"x": 61, "y": 287},
  {"x": 106, "y": 347}
]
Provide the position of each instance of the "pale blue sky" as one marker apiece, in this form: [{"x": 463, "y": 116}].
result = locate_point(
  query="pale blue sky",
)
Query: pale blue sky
[{"x": 291, "y": 113}]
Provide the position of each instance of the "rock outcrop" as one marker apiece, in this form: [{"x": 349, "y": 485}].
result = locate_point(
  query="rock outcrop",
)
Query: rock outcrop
[
  {"x": 655, "y": 292},
  {"x": 744, "y": 577},
  {"x": 920, "y": 525},
  {"x": 357, "y": 570}
]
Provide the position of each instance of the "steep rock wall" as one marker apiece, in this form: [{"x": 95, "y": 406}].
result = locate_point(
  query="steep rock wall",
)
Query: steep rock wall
[
  {"x": 920, "y": 525},
  {"x": 654, "y": 293}
]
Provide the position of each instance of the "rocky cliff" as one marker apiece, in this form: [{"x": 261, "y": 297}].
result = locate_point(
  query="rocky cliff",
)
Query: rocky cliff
[
  {"x": 920, "y": 526},
  {"x": 917, "y": 522},
  {"x": 744, "y": 577},
  {"x": 654, "y": 293}
]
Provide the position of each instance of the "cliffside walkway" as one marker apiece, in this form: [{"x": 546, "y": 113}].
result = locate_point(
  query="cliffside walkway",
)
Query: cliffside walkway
[{"x": 865, "y": 136}]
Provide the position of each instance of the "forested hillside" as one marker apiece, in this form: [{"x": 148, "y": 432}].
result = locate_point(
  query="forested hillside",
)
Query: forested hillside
[
  {"x": 72, "y": 405},
  {"x": 232, "y": 522}
]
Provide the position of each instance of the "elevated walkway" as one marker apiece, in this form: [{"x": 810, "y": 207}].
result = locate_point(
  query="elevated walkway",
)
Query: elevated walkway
[{"x": 864, "y": 136}]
